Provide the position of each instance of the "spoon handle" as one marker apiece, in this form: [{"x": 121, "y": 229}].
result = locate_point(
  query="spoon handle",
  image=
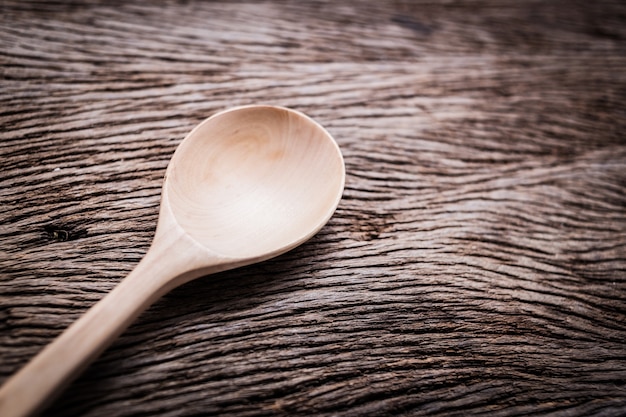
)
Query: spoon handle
[{"x": 45, "y": 376}]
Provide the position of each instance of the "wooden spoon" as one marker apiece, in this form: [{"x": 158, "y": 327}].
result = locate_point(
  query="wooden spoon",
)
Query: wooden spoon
[{"x": 245, "y": 185}]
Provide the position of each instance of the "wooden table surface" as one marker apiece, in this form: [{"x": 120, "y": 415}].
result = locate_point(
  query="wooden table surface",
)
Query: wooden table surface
[{"x": 476, "y": 264}]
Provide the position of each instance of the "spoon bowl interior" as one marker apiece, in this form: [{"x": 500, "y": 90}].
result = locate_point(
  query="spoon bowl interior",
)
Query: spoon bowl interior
[{"x": 254, "y": 181}]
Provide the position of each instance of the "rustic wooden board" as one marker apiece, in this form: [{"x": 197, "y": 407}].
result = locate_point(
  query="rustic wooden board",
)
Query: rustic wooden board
[{"x": 476, "y": 264}]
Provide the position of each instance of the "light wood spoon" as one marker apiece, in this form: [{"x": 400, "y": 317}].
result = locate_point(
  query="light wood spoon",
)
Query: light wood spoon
[{"x": 245, "y": 185}]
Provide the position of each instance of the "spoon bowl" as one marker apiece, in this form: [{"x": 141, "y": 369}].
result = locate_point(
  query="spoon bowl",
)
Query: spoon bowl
[
  {"x": 254, "y": 181},
  {"x": 245, "y": 185}
]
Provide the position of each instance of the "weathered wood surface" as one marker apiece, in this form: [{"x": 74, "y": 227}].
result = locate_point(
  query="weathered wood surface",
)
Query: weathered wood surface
[{"x": 476, "y": 265}]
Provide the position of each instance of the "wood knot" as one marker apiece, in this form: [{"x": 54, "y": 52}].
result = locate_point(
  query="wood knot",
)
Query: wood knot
[
  {"x": 63, "y": 233},
  {"x": 370, "y": 224}
]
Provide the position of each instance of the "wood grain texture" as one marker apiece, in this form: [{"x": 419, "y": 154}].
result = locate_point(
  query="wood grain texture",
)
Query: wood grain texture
[{"x": 476, "y": 264}]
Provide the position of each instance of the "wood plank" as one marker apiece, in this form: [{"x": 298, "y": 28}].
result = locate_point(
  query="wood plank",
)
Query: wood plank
[{"x": 476, "y": 264}]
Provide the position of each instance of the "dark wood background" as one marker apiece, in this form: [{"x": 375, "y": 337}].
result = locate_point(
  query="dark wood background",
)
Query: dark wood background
[{"x": 476, "y": 264}]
